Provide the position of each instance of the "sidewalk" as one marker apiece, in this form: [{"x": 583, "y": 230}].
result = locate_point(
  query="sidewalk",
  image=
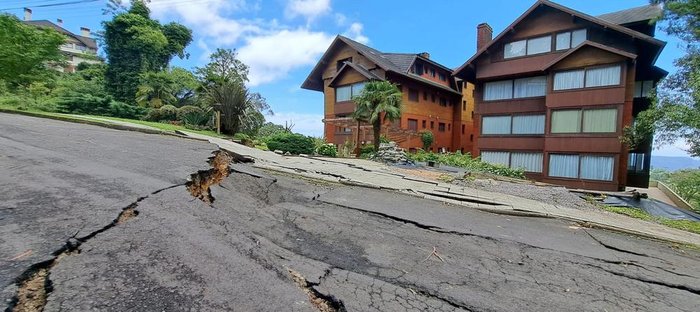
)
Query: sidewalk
[{"x": 367, "y": 173}]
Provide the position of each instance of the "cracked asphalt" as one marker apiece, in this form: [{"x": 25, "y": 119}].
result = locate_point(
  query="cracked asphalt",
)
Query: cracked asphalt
[{"x": 356, "y": 249}]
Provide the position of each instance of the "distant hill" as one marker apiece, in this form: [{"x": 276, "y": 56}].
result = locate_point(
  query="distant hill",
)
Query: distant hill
[{"x": 674, "y": 163}]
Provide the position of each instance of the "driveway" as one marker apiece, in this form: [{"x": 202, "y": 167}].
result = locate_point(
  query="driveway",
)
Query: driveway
[{"x": 100, "y": 219}]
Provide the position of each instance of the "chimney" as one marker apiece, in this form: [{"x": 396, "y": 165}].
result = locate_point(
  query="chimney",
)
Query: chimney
[
  {"x": 27, "y": 14},
  {"x": 484, "y": 35},
  {"x": 59, "y": 22},
  {"x": 424, "y": 55},
  {"x": 85, "y": 32}
]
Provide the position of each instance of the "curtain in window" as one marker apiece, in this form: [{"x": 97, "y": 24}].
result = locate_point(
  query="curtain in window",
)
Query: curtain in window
[
  {"x": 597, "y": 167},
  {"x": 495, "y": 125},
  {"x": 600, "y": 120},
  {"x": 603, "y": 76},
  {"x": 568, "y": 80},
  {"x": 563, "y": 41},
  {"x": 577, "y": 37},
  {"x": 566, "y": 121},
  {"x": 514, "y": 49},
  {"x": 565, "y": 166},
  {"x": 647, "y": 86},
  {"x": 528, "y": 124},
  {"x": 498, "y": 90},
  {"x": 539, "y": 45},
  {"x": 357, "y": 88},
  {"x": 636, "y": 162},
  {"x": 343, "y": 93},
  {"x": 530, "y": 162},
  {"x": 500, "y": 158},
  {"x": 529, "y": 87},
  {"x": 637, "y": 89}
]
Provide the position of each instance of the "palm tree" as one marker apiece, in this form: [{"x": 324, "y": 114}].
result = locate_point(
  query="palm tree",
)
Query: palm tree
[
  {"x": 238, "y": 106},
  {"x": 379, "y": 101},
  {"x": 156, "y": 90}
]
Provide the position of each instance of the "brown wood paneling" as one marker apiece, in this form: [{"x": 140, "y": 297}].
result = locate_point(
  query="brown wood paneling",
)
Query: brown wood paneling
[
  {"x": 596, "y": 144},
  {"x": 530, "y": 105},
  {"x": 586, "y": 97},
  {"x": 511, "y": 143}
]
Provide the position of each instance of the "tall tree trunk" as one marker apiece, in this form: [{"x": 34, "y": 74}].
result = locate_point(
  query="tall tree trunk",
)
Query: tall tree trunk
[{"x": 377, "y": 128}]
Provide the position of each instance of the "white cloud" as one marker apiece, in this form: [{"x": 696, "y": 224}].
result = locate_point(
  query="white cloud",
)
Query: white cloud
[
  {"x": 355, "y": 33},
  {"x": 340, "y": 19},
  {"x": 273, "y": 55},
  {"x": 308, "y": 124},
  {"x": 309, "y": 9}
]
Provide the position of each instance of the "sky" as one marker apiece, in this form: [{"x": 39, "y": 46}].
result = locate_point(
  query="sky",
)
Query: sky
[{"x": 281, "y": 40}]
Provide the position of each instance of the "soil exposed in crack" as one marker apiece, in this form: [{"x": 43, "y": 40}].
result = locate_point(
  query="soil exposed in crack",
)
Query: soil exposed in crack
[
  {"x": 322, "y": 302},
  {"x": 201, "y": 181}
]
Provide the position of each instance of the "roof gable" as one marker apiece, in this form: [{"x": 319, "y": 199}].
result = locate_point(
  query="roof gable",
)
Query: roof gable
[
  {"x": 633, "y": 15},
  {"x": 347, "y": 66},
  {"x": 589, "y": 44},
  {"x": 540, "y": 3},
  {"x": 88, "y": 42}
]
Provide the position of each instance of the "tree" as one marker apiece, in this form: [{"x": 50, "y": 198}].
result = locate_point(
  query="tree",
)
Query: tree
[
  {"x": 27, "y": 52},
  {"x": 675, "y": 110},
  {"x": 156, "y": 89},
  {"x": 223, "y": 66},
  {"x": 185, "y": 85},
  {"x": 136, "y": 44},
  {"x": 427, "y": 138},
  {"x": 379, "y": 101},
  {"x": 237, "y": 105}
]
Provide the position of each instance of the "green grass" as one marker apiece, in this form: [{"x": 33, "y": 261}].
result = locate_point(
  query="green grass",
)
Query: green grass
[
  {"x": 685, "y": 225},
  {"x": 164, "y": 126}
]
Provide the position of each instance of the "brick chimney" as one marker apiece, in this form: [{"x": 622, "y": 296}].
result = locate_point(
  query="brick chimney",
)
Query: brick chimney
[
  {"x": 59, "y": 22},
  {"x": 424, "y": 55},
  {"x": 85, "y": 32},
  {"x": 484, "y": 35},
  {"x": 27, "y": 14}
]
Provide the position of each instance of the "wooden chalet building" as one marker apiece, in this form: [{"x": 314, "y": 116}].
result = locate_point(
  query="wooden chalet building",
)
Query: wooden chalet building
[
  {"x": 554, "y": 90},
  {"x": 432, "y": 97}
]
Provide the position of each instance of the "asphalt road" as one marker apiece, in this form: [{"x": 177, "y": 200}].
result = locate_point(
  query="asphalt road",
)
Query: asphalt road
[{"x": 272, "y": 242}]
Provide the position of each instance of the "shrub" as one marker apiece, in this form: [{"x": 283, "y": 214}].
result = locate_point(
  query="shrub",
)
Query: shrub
[
  {"x": 166, "y": 112},
  {"x": 384, "y": 139},
  {"x": 327, "y": 150},
  {"x": 186, "y": 110},
  {"x": 427, "y": 138},
  {"x": 270, "y": 129},
  {"x": 123, "y": 110},
  {"x": 466, "y": 161},
  {"x": 366, "y": 151},
  {"x": 291, "y": 142},
  {"x": 243, "y": 138},
  {"x": 84, "y": 104}
]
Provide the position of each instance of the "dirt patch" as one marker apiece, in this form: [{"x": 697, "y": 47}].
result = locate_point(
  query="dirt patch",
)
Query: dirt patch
[
  {"x": 323, "y": 303},
  {"x": 201, "y": 181},
  {"x": 127, "y": 214},
  {"x": 32, "y": 293}
]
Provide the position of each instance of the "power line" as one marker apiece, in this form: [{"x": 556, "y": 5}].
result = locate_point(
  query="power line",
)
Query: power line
[{"x": 52, "y": 4}]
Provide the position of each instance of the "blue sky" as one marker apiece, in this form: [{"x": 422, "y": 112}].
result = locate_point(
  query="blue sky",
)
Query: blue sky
[{"x": 281, "y": 40}]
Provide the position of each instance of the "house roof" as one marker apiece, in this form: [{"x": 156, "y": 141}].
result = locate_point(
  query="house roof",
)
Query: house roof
[
  {"x": 633, "y": 15},
  {"x": 588, "y": 43},
  {"x": 399, "y": 63},
  {"x": 592, "y": 19},
  {"x": 357, "y": 67},
  {"x": 88, "y": 42}
]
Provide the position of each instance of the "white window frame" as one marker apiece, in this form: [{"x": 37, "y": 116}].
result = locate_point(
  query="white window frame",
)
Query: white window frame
[
  {"x": 509, "y": 163},
  {"x": 581, "y": 123},
  {"x": 511, "y": 119},
  {"x": 585, "y": 78},
  {"x": 512, "y": 88},
  {"x": 527, "y": 46},
  {"x": 570, "y": 37}
]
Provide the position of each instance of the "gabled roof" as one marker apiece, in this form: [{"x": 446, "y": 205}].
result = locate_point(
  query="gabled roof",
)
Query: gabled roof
[
  {"x": 588, "y": 43},
  {"x": 88, "y": 42},
  {"x": 592, "y": 19},
  {"x": 634, "y": 15},
  {"x": 359, "y": 68},
  {"x": 399, "y": 63}
]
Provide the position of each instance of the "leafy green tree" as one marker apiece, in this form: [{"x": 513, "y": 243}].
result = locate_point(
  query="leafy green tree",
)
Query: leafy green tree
[
  {"x": 185, "y": 86},
  {"x": 675, "y": 111},
  {"x": 237, "y": 105},
  {"x": 687, "y": 184},
  {"x": 224, "y": 66},
  {"x": 136, "y": 44},
  {"x": 269, "y": 129},
  {"x": 155, "y": 90},
  {"x": 379, "y": 101},
  {"x": 427, "y": 138},
  {"x": 27, "y": 52}
]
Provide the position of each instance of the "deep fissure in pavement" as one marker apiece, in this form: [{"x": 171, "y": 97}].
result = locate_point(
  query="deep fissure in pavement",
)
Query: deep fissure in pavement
[
  {"x": 322, "y": 302},
  {"x": 201, "y": 181}
]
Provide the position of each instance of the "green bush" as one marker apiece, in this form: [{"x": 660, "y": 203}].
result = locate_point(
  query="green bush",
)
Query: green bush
[
  {"x": 291, "y": 142},
  {"x": 366, "y": 151},
  {"x": 384, "y": 139},
  {"x": 269, "y": 129},
  {"x": 327, "y": 150},
  {"x": 123, "y": 110},
  {"x": 165, "y": 113},
  {"x": 84, "y": 104},
  {"x": 187, "y": 110},
  {"x": 466, "y": 161},
  {"x": 427, "y": 138}
]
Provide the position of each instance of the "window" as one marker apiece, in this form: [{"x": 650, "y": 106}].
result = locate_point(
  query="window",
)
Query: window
[
  {"x": 635, "y": 162},
  {"x": 423, "y": 124},
  {"x": 432, "y": 72},
  {"x": 528, "y": 47},
  {"x": 586, "y": 121},
  {"x": 597, "y": 167},
  {"x": 517, "y": 124},
  {"x": 563, "y": 166},
  {"x": 600, "y": 120},
  {"x": 413, "y": 124},
  {"x": 443, "y": 101},
  {"x": 343, "y": 93},
  {"x": 528, "y": 124},
  {"x": 432, "y": 124},
  {"x": 449, "y": 127},
  {"x": 529, "y": 87},
  {"x": 419, "y": 69},
  {"x": 441, "y": 127},
  {"x": 642, "y": 88},
  {"x": 425, "y": 96},
  {"x": 591, "y": 167},
  {"x": 340, "y": 63},
  {"x": 412, "y": 95},
  {"x": 530, "y": 162},
  {"x": 442, "y": 76},
  {"x": 462, "y": 129},
  {"x": 464, "y": 105},
  {"x": 570, "y": 39},
  {"x": 518, "y": 88},
  {"x": 495, "y": 125},
  {"x": 590, "y": 77},
  {"x": 346, "y": 93}
]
